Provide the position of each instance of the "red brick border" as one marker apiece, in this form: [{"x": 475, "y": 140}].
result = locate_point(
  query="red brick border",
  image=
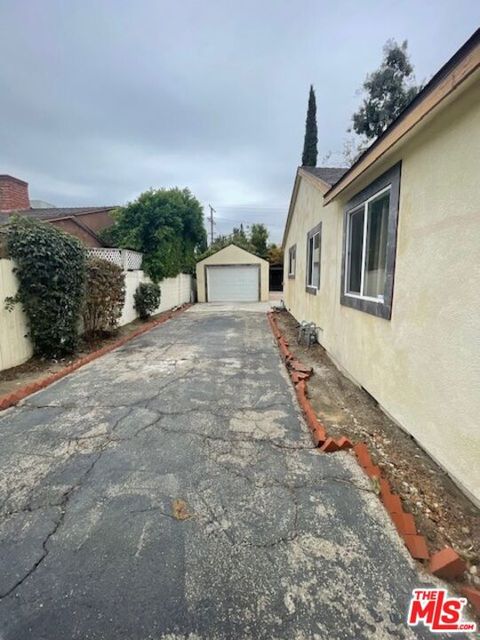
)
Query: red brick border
[
  {"x": 445, "y": 563},
  {"x": 473, "y": 596},
  {"x": 11, "y": 399},
  {"x": 299, "y": 374}
]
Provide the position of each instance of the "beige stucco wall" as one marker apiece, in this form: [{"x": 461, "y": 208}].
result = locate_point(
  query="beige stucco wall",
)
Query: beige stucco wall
[
  {"x": 422, "y": 366},
  {"x": 232, "y": 255}
]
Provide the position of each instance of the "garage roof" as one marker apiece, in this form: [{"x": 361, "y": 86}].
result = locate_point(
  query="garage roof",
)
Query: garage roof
[{"x": 232, "y": 244}]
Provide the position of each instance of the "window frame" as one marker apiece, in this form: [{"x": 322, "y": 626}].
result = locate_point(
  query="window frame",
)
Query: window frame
[
  {"x": 387, "y": 182},
  {"x": 364, "y": 209},
  {"x": 292, "y": 259},
  {"x": 316, "y": 231}
]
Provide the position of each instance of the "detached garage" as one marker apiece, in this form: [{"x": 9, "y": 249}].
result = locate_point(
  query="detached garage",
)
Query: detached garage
[{"x": 232, "y": 275}]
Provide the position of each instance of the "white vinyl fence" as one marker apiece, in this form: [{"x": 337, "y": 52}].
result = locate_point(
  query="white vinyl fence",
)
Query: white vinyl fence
[
  {"x": 15, "y": 346},
  {"x": 174, "y": 292}
]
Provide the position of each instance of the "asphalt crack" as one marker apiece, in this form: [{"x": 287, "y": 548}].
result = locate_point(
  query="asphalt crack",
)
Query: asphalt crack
[
  {"x": 62, "y": 504},
  {"x": 63, "y": 510}
]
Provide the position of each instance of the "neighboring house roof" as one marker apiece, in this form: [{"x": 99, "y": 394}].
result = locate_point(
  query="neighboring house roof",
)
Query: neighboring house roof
[
  {"x": 55, "y": 213},
  {"x": 74, "y": 214},
  {"x": 83, "y": 222},
  {"x": 41, "y": 204},
  {"x": 75, "y": 219},
  {"x": 329, "y": 175}
]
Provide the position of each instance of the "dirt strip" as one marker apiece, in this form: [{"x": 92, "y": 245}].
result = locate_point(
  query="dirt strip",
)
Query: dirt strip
[{"x": 441, "y": 512}]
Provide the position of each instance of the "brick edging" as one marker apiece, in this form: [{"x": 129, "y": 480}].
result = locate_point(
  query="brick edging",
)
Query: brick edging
[
  {"x": 13, "y": 398},
  {"x": 445, "y": 563}
]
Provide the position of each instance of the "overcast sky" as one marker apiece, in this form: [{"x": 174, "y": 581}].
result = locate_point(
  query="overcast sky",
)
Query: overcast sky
[{"x": 102, "y": 99}]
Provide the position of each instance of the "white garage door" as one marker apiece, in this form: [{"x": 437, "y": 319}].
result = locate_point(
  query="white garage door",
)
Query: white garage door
[{"x": 239, "y": 283}]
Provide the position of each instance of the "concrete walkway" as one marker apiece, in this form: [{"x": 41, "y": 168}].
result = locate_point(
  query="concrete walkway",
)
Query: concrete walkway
[{"x": 170, "y": 490}]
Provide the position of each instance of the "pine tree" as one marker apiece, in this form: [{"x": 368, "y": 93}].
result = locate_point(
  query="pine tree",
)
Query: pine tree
[{"x": 309, "y": 156}]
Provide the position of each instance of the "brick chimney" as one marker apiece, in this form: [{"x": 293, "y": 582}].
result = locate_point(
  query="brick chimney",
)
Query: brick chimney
[{"x": 13, "y": 194}]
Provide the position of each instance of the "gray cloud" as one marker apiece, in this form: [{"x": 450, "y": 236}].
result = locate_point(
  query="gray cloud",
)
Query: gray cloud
[{"x": 101, "y": 100}]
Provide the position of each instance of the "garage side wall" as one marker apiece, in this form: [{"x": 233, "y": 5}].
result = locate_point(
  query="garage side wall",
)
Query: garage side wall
[
  {"x": 423, "y": 365},
  {"x": 232, "y": 255}
]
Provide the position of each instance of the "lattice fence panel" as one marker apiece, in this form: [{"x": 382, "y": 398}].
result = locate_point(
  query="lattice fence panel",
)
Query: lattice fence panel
[
  {"x": 125, "y": 258},
  {"x": 133, "y": 260}
]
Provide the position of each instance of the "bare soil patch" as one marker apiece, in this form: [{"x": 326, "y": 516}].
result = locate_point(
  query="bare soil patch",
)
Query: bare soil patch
[{"x": 442, "y": 513}]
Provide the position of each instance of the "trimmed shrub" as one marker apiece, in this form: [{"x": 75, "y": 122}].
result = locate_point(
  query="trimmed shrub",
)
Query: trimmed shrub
[
  {"x": 50, "y": 267},
  {"x": 146, "y": 298},
  {"x": 105, "y": 296}
]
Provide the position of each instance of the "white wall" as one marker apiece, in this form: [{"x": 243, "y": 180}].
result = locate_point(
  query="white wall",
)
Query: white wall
[
  {"x": 15, "y": 346},
  {"x": 174, "y": 292}
]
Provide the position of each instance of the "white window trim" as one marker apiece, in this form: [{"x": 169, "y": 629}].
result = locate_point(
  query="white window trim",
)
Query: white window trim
[
  {"x": 364, "y": 206},
  {"x": 391, "y": 178}
]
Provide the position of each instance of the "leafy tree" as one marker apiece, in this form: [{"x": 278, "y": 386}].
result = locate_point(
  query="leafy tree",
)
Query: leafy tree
[
  {"x": 259, "y": 238},
  {"x": 388, "y": 90},
  {"x": 255, "y": 242},
  {"x": 309, "y": 156},
  {"x": 223, "y": 241},
  {"x": 239, "y": 237},
  {"x": 275, "y": 254},
  {"x": 166, "y": 225}
]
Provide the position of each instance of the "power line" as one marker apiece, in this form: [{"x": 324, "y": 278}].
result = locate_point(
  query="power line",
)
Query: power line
[
  {"x": 280, "y": 205},
  {"x": 255, "y": 212},
  {"x": 224, "y": 222}
]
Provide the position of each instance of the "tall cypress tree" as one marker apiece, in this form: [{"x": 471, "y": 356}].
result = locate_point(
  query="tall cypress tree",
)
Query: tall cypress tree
[{"x": 309, "y": 155}]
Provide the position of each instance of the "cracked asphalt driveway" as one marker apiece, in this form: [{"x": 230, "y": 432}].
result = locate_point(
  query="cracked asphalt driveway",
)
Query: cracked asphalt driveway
[{"x": 170, "y": 490}]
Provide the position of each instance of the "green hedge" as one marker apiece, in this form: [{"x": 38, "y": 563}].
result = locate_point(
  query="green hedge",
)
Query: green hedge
[{"x": 50, "y": 267}]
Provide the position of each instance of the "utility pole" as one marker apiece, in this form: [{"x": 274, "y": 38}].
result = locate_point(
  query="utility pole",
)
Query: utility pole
[{"x": 212, "y": 222}]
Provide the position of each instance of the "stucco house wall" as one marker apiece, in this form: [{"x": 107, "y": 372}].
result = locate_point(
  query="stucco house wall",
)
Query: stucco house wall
[
  {"x": 422, "y": 365},
  {"x": 232, "y": 255}
]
